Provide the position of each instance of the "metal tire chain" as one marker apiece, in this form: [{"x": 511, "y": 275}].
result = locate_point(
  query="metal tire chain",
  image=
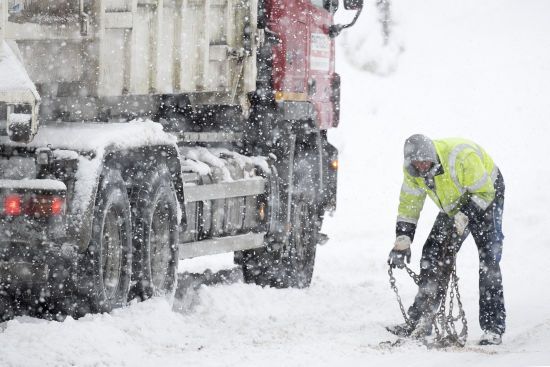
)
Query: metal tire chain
[
  {"x": 464, "y": 333},
  {"x": 446, "y": 321},
  {"x": 393, "y": 286}
]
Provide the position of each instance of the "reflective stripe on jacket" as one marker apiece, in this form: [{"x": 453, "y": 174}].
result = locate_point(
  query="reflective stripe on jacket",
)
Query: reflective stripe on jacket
[{"x": 466, "y": 169}]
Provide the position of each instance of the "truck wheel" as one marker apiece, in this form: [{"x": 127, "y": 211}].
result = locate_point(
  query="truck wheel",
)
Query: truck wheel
[
  {"x": 155, "y": 241},
  {"x": 291, "y": 265},
  {"x": 300, "y": 260},
  {"x": 108, "y": 260}
]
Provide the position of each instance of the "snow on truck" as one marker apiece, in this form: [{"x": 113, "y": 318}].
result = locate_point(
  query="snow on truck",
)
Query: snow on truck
[{"x": 169, "y": 129}]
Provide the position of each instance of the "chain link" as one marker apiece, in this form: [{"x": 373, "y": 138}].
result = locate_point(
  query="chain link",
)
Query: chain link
[
  {"x": 453, "y": 336},
  {"x": 415, "y": 277},
  {"x": 393, "y": 286}
]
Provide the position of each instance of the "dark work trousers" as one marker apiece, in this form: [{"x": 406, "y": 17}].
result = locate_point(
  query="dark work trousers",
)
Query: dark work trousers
[{"x": 436, "y": 264}]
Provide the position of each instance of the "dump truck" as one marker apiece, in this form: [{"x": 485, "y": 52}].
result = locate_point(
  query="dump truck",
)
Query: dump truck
[{"x": 137, "y": 133}]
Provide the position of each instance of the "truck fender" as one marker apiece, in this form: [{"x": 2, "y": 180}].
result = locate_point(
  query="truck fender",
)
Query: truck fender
[{"x": 80, "y": 222}]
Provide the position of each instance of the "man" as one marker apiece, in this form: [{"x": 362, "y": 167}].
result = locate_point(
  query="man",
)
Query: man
[{"x": 466, "y": 185}]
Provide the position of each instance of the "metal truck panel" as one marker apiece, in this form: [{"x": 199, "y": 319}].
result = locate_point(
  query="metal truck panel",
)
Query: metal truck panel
[
  {"x": 321, "y": 66},
  {"x": 109, "y": 48}
]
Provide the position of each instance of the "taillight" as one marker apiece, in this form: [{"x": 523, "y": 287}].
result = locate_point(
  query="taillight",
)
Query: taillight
[
  {"x": 12, "y": 205},
  {"x": 33, "y": 205},
  {"x": 58, "y": 205},
  {"x": 44, "y": 206}
]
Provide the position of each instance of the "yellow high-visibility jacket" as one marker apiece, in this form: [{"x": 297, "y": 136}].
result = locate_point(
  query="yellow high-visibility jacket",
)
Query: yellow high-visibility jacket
[{"x": 466, "y": 171}]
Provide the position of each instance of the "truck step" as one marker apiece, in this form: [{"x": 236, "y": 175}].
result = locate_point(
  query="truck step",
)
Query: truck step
[
  {"x": 219, "y": 245},
  {"x": 224, "y": 190},
  {"x": 209, "y": 137}
]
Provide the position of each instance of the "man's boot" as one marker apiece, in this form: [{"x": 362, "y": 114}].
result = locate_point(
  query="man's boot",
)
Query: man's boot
[
  {"x": 416, "y": 330},
  {"x": 490, "y": 338},
  {"x": 423, "y": 329},
  {"x": 403, "y": 330}
]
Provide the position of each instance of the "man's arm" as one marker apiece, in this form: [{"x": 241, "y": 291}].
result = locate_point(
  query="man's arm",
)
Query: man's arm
[
  {"x": 411, "y": 202},
  {"x": 478, "y": 185}
]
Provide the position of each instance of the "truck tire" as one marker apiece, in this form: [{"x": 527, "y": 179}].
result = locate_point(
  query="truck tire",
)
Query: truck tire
[
  {"x": 108, "y": 260},
  {"x": 6, "y": 308},
  {"x": 289, "y": 266},
  {"x": 155, "y": 239},
  {"x": 300, "y": 261}
]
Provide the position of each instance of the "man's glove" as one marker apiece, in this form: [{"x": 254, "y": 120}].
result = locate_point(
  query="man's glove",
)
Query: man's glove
[
  {"x": 401, "y": 251},
  {"x": 461, "y": 222}
]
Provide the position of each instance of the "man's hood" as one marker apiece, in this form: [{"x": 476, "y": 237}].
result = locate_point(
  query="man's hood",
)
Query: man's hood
[{"x": 420, "y": 148}]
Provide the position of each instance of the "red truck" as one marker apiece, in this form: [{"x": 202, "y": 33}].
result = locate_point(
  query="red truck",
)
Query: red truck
[{"x": 169, "y": 129}]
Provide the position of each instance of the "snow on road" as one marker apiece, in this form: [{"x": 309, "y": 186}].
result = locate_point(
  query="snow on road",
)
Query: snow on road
[{"x": 475, "y": 69}]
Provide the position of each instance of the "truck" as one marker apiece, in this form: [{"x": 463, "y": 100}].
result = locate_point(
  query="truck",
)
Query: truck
[{"x": 137, "y": 133}]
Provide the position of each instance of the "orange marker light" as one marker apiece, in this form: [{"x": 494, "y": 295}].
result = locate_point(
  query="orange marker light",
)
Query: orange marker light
[
  {"x": 334, "y": 164},
  {"x": 261, "y": 211}
]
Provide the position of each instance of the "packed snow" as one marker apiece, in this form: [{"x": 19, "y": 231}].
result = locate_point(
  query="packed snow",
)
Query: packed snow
[
  {"x": 14, "y": 77},
  {"x": 96, "y": 138},
  {"x": 479, "y": 70},
  {"x": 43, "y": 184}
]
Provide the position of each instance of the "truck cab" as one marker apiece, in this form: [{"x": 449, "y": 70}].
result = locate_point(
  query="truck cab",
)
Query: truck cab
[{"x": 303, "y": 59}]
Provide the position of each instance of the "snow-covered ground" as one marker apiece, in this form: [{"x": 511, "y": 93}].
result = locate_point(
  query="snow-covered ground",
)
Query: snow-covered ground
[{"x": 477, "y": 69}]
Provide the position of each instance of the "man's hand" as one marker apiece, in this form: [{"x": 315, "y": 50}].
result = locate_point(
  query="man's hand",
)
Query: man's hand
[
  {"x": 461, "y": 222},
  {"x": 401, "y": 251}
]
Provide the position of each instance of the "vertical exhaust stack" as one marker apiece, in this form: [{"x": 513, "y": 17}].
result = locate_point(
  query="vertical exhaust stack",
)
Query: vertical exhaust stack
[{"x": 19, "y": 99}]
